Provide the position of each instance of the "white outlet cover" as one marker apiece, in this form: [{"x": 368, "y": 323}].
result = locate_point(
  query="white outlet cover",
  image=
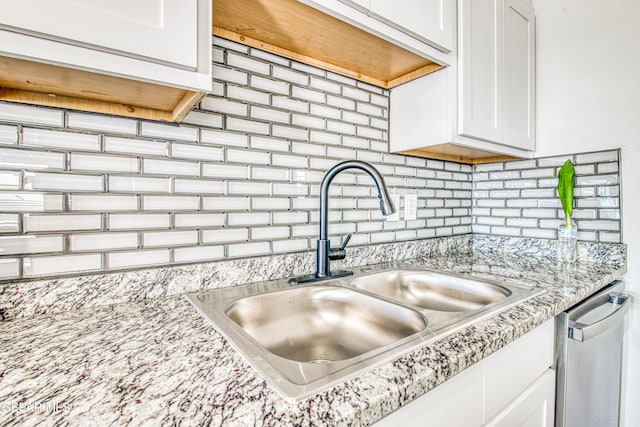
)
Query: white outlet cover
[
  {"x": 410, "y": 206},
  {"x": 395, "y": 199}
]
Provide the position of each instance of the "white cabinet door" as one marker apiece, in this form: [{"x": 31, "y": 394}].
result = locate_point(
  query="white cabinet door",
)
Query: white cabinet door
[
  {"x": 480, "y": 62},
  {"x": 533, "y": 408},
  {"x": 519, "y": 74},
  {"x": 162, "y": 30},
  {"x": 497, "y": 71},
  {"x": 428, "y": 20},
  {"x": 442, "y": 405}
]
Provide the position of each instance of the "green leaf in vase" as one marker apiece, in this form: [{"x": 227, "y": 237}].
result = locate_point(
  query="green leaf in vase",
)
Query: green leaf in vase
[{"x": 565, "y": 188}]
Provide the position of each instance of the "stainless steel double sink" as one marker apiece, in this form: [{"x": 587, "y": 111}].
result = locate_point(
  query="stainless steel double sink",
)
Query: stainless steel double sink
[{"x": 305, "y": 338}]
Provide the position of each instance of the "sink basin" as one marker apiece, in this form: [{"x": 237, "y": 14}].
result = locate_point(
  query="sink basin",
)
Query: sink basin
[
  {"x": 323, "y": 323},
  {"x": 432, "y": 290},
  {"x": 306, "y": 338}
]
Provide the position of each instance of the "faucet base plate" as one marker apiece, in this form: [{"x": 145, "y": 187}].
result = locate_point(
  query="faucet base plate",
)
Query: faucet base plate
[{"x": 311, "y": 278}]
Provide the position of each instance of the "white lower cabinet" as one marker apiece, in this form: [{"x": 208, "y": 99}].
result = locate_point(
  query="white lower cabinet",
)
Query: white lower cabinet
[{"x": 512, "y": 387}]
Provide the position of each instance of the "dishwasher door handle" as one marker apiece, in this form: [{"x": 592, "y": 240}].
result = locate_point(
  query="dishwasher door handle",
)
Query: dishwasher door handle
[{"x": 582, "y": 332}]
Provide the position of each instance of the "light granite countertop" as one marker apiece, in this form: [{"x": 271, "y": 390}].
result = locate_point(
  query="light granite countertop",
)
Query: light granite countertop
[{"x": 158, "y": 362}]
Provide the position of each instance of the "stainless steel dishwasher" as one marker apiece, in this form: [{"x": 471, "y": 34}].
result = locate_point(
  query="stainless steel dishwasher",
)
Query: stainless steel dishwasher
[{"x": 589, "y": 357}]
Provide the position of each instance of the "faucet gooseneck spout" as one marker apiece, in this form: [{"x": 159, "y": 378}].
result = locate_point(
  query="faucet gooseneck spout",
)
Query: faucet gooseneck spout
[{"x": 324, "y": 252}]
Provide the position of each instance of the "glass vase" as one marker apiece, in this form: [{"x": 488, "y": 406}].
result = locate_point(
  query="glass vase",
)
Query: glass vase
[{"x": 567, "y": 242}]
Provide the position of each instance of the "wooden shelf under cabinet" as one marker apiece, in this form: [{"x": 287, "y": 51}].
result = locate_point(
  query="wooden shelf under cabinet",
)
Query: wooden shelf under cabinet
[
  {"x": 458, "y": 153},
  {"x": 296, "y": 31},
  {"x": 43, "y": 84}
]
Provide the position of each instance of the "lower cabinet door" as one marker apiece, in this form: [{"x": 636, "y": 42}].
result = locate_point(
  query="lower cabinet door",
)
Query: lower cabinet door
[
  {"x": 457, "y": 402},
  {"x": 533, "y": 408}
]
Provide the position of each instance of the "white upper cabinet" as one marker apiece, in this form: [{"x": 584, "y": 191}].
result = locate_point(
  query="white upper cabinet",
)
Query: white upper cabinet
[
  {"x": 428, "y": 20},
  {"x": 146, "y": 58},
  {"x": 497, "y": 71},
  {"x": 483, "y": 105},
  {"x": 425, "y": 27},
  {"x": 159, "y": 30}
]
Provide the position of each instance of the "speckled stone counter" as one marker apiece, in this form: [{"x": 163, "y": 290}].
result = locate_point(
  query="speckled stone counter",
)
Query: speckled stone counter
[{"x": 157, "y": 362}]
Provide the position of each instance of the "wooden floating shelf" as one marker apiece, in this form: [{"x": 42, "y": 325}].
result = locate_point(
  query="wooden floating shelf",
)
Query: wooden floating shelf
[
  {"x": 458, "y": 153},
  {"x": 296, "y": 31},
  {"x": 54, "y": 86}
]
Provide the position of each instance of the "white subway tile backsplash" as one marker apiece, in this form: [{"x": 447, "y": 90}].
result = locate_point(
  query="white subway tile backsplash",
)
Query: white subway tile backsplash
[
  {"x": 340, "y": 102},
  {"x": 307, "y": 122},
  {"x": 243, "y": 250},
  {"x": 135, "y": 146},
  {"x": 225, "y": 171},
  {"x": 170, "y": 203},
  {"x": 224, "y": 106},
  {"x": 196, "y": 152},
  {"x": 10, "y": 180},
  {"x": 199, "y": 220},
  {"x": 270, "y": 174},
  {"x": 9, "y": 268},
  {"x": 281, "y": 73},
  {"x": 30, "y": 202},
  {"x": 248, "y": 218},
  {"x": 269, "y": 233},
  {"x": 290, "y": 245},
  {"x": 358, "y": 94},
  {"x": 289, "y": 161},
  {"x": 198, "y": 186},
  {"x": 226, "y": 203},
  {"x": 15, "y": 245},
  {"x": 599, "y": 157},
  {"x": 136, "y": 184},
  {"x": 290, "y": 133},
  {"x": 102, "y": 162},
  {"x": 298, "y": 122},
  {"x": 94, "y": 122},
  {"x": 248, "y": 157},
  {"x": 54, "y": 265},
  {"x": 141, "y": 258},
  {"x": 228, "y": 75},
  {"x": 103, "y": 202},
  {"x": 269, "y": 114},
  {"x": 223, "y": 138},
  {"x": 324, "y": 137},
  {"x": 307, "y": 69},
  {"x": 62, "y": 182},
  {"x": 290, "y": 217},
  {"x": 60, "y": 139},
  {"x": 225, "y": 235},
  {"x": 289, "y": 104},
  {"x": 33, "y": 115},
  {"x": 290, "y": 189},
  {"x": 248, "y": 126},
  {"x": 159, "y": 239},
  {"x": 248, "y": 95},
  {"x": 32, "y": 223},
  {"x": 269, "y": 144},
  {"x": 269, "y": 85},
  {"x": 160, "y": 130},
  {"x": 269, "y": 203},
  {"x": 246, "y": 63},
  {"x": 261, "y": 188},
  {"x": 102, "y": 241},
  {"x": 138, "y": 221},
  {"x": 170, "y": 167},
  {"x": 9, "y": 223},
  {"x": 198, "y": 253},
  {"x": 8, "y": 134}
]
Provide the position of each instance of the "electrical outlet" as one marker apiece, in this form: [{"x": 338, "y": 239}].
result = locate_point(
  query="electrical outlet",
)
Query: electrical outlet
[
  {"x": 410, "y": 206},
  {"x": 395, "y": 199}
]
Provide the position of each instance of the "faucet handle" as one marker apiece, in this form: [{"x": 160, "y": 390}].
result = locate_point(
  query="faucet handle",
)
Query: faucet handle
[
  {"x": 345, "y": 241},
  {"x": 340, "y": 253}
]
